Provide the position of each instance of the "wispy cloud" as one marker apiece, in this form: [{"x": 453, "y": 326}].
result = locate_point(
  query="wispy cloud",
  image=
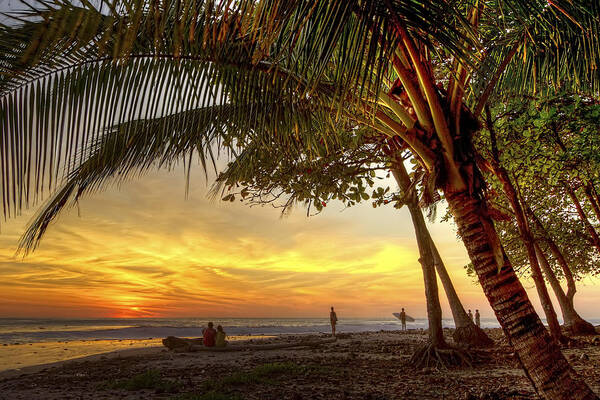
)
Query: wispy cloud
[{"x": 146, "y": 250}]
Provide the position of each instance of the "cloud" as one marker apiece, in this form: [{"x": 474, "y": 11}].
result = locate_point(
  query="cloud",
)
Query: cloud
[{"x": 147, "y": 250}]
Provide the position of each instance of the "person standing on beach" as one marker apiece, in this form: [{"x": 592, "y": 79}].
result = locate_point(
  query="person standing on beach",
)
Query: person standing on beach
[
  {"x": 470, "y": 315},
  {"x": 208, "y": 335},
  {"x": 333, "y": 320},
  {"x": 403, "y": 319},
  {"x": 477, "y": 319}
]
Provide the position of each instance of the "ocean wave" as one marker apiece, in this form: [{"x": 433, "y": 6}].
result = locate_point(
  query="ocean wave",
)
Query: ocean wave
[{"x": 28, "y": 331}]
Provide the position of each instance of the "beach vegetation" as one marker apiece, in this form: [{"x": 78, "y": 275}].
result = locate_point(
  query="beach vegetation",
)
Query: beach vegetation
[
  {"x": 149, "y": 379},
  {"x": 262, "y": 374},
  {"x": 266, "y": 374},
  {"x": 209, "y": 396}
]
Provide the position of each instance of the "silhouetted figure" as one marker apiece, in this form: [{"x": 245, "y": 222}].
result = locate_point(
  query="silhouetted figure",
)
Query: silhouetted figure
[
  {"x": 333, "y": 320},
  {"x": 220, "y": 338},
  {"x": 403, "y": 319},
  {"x": 208, "y": 335},
  {"x": 477, "y": 319},
  {"x": 470, "y": 315}
]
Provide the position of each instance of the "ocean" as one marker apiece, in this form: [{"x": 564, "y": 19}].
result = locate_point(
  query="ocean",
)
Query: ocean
[{"x": 17, "y": 330}]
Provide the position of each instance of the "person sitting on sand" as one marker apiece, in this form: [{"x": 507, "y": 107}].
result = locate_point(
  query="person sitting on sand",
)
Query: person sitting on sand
[
  {"x": 220, "y": 338},
  {"x": 333, "y": 320},
  {"x": 208, "y": 335},
  {"x": 403, "y": 319},
  {"x": 477, "y": 319}
]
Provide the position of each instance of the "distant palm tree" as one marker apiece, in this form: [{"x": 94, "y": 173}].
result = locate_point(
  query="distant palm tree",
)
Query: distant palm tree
[{"x": 169, "y": 78}]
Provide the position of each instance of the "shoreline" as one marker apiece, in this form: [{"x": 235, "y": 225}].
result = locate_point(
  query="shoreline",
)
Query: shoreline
[
  {"x": 17, "y": 358},
  {"x": 358, "y": 366}
]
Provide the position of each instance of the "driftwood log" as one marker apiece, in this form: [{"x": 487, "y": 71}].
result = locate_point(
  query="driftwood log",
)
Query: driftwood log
[
  {"x": 180, "y": 345},
  {"x": 173, "y": 342}
]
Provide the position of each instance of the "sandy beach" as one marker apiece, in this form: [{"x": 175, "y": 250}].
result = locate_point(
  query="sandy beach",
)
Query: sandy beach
[
  {"x": 371, "y": 365},
  {"x": 17, "y": 356}
]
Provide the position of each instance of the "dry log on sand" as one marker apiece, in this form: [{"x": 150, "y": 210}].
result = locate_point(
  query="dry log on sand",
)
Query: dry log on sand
[
  {"x": 180, "y": 345},
  {"x": 173, "y": 342}
]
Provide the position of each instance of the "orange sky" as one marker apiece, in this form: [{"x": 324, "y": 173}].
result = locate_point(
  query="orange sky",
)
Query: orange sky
[{"x": 145, "y": 250}]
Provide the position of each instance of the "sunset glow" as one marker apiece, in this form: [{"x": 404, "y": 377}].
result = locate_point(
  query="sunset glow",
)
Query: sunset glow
[{"x": 146, "y": 251}]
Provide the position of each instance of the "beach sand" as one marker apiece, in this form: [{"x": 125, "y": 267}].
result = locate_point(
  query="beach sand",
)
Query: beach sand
[
  {"x": 15, "y": 356},
  {"x": 371, "y": 366},
  {"x": 18, "y": 356}
]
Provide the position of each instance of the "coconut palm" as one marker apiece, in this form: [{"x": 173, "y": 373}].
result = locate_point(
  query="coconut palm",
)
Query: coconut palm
[{"x": 410, "y": 69}]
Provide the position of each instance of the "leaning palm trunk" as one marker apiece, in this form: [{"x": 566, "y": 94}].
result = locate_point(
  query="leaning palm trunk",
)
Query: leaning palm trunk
[
  {"x": 528, "y": 242},
  {"x": 573, "y": 321},
  {"x": 517, "y": 204},
  {"x": 542, "y": 360},
  {"x": 434, "y": 310},
  {"x": 466, "y": 332},
  {"x": 437, "y": 352}
]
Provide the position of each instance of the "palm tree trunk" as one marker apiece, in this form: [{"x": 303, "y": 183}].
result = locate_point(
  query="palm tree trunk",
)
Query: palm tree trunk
[
  {"x": 542, "y": 360},
  {"x": 434, "y": 309},
  {"x": 573, "y": 321},
  {"x": 528, "y": 242},
  {"x": 584, "y": 219},
  {"x": 466, "y": 331},
  {"x": 461, "y": 319}
]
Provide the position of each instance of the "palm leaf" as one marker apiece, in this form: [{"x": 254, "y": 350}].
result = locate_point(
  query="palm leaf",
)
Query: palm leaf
[{"x": 68, "y": 72}]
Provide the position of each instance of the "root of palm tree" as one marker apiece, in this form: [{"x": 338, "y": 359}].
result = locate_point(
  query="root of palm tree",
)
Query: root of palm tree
[
  {"x": 562, "y": 340},
  {"x": 431, "y": 356},
  {"x": 580, "y": 327},
  {"x": 471, "y": 336}
]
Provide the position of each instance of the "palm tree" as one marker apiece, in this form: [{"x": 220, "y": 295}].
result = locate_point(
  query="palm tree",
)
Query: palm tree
[
  {"x": 466, "y": 331},
  {"x": 68, "y": 71}
]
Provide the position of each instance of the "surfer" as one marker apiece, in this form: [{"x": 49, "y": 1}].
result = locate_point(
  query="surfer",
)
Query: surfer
[
  {"x": 403, "y": 319},
  {"x": 333, "y": 320}
]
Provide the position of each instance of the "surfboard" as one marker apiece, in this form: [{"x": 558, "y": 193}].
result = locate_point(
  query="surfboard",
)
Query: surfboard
[{"x": 408, "y": 317}]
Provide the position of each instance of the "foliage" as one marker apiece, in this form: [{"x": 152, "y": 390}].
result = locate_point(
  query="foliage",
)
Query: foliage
[
  {"x": 209, "y": 396},
  {"x": 150, "y": 379},
  {"x": 262, "y": 374},
  {"x": 351, "y": 172},
  {"x": 547, "y": 144},
  {"x": 70, "y": 74}
]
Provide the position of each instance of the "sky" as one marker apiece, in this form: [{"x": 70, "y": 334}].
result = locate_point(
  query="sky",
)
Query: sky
[{"x": 145, "y": 250}]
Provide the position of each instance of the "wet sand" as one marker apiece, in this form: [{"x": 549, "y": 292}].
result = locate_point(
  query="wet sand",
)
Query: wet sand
[
  {"x": 371, "y": 366},
  {"x": 22, "y": 355}
]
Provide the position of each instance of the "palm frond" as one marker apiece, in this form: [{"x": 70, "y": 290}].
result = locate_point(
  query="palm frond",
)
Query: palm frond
[
  {"x": 135, "y": 146},
  {"x": 540, "y": 47},
  {"x": 68, "y": 72}
]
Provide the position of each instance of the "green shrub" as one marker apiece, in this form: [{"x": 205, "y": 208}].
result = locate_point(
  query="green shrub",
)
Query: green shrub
[
  {"x": 209, "y": 396},
  {"x": 150, "y": 379}
]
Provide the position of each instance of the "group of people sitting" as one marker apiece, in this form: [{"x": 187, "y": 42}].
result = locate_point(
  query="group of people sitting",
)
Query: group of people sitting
[{"x": 212, "y": 337}]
